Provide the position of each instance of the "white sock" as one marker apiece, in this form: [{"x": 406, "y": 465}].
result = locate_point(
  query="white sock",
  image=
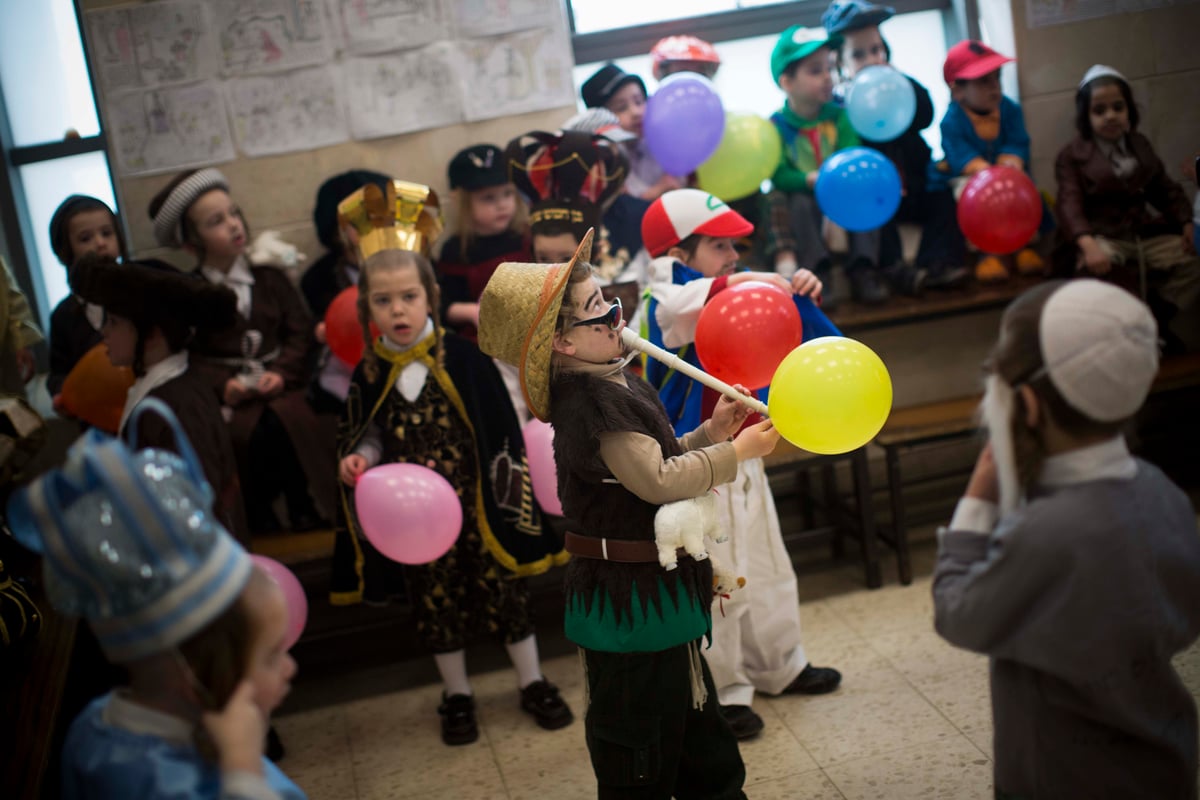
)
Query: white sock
[
  {"x": 453, "y": 669},
  {"x": 524, "y": 655}
]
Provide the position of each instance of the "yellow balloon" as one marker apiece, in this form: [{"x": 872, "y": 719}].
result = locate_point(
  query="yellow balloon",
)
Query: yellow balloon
[
  {"x": 748, "y": 154},
  {"x": 830, "y": 395}
]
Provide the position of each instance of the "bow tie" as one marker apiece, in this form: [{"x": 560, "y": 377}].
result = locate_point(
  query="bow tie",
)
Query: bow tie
[{"x": 422, "y": 351}]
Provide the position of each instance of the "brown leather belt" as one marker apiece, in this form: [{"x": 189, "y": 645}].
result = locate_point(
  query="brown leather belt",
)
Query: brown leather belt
[{"x": 625, "y": 551}]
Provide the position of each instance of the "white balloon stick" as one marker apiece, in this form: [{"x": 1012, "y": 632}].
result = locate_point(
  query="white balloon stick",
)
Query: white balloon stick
[{"x": 631, "y": 339}]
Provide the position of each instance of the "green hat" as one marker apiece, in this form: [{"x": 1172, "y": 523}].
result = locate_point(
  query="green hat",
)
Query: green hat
[{"x": 796, "y": 43}]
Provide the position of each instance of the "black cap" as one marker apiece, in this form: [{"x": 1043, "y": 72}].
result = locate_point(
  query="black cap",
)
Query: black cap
[
  {"x": 334, "y": 191},
  {"x": 607, "y": 81},
  {"x": 478, "y": 167},
  {"x": 67, "y": 209}
]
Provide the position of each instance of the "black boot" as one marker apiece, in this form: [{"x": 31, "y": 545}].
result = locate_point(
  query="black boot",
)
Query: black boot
[
  {"x": 906, "y": 280},
  {"x": 868, "y": 287}
]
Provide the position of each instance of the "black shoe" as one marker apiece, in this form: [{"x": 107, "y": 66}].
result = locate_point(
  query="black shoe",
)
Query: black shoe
[
  {"x": 274, "y": 748},
  {"x": 942, "y": 276},
  {"x": 906, "y": 280},
  {"x": 814, "y": 680},
  {"x": 543, "y": 702},
  {"x": 742, "y": 720},
  {"x": 458, "y": 719},
  {"x": 868, "y": 287}
]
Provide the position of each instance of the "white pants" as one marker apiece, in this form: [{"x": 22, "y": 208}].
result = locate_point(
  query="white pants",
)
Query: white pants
[{"x": 756, "y": 643}]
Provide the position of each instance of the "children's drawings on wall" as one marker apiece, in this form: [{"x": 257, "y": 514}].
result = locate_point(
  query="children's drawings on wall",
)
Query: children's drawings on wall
[
  {"x": 376, "y": 26},
  {"x": 491, "y": 17},
  {"x": 268, "y": 35},
  {"x": 150, "y": 45},
  {"x": 282, "y": 113},
  {"x": 161, "y": 130},
  {"x": 402, "y": 92},
  {"x": 516, "y": 73}
]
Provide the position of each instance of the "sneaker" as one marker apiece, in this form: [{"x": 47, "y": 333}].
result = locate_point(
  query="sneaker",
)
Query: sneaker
[
  {"x": 990, "y": 269},
  {"x": 867, "y": 286},
  {"x": 906, "y": 280},
  {"x": 1030, "y": 263},
  {"x": 458, "y": 719},
  {"x": 542, "y": 701},
  {"x": 742, "y": 720},
  {"x": 814, "y": 680},
  {"x": 942, "y": 276}
]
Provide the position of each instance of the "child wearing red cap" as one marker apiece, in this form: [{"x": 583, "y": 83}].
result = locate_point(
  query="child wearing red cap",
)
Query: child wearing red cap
[
  {"x": 756, "y": 640},
  {"x": 982, "y": 128}
]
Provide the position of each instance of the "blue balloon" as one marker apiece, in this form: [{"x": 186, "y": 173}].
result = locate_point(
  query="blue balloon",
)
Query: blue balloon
[
  {"x": 858, "y": 188},
  {"x": 684, "y": 123},
  {"x": 881, "y": 103}
]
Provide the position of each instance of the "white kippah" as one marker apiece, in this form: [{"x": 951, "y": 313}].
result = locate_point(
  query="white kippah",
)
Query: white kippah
[
  {"x": 1100, "y": 71},
  {"x": 1100, "y": 348},
  {"x": 168, "y": 223}
]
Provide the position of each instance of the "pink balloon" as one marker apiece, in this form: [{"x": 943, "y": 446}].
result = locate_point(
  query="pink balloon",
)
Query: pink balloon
[
  {"x": 293, "y": 596},
  {"x": 408, "y": 512},
  {"x": 539, "y": 452}
]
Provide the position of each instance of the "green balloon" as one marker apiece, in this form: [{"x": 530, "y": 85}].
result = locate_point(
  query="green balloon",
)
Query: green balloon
[{"x": 749, "y": 153}]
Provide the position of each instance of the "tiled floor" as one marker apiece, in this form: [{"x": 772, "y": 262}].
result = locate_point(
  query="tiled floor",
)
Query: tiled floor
[{"x": 911, "y": 720}]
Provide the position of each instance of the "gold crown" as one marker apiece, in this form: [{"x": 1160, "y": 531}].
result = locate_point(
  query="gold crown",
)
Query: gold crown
[{"x": 406, "y": 217}]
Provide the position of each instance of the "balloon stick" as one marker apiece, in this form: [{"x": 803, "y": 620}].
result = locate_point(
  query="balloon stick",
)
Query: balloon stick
[{"x": 632, "y": 340}]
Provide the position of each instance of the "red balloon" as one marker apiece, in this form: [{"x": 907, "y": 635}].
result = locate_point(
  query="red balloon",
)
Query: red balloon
[
  {"x": 1000, "y": 210},
  {"x": 745, "y": 331},
  {"x": 343, "y": 331}
]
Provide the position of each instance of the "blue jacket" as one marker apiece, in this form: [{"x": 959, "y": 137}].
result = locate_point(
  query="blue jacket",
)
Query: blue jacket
[{"x": 962, "y": 143}]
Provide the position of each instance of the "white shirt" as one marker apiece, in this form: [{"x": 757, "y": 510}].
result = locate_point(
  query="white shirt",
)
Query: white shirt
[
  {"x": 409, "y": 384},
  {"x": 239, "y": 279},
  {"x": 168, "y": 369}
]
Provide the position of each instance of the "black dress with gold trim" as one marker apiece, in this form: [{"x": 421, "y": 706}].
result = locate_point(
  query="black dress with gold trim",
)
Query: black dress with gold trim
[{"x": 464, "y": 422}]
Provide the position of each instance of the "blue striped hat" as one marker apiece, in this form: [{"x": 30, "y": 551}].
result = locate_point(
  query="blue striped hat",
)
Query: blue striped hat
[{"x": 130, "y": 542}]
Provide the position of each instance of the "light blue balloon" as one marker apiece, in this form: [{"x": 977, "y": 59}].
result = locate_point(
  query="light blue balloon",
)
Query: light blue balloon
[
  {"x": 858, "y": 188},
  {"x": 881, "y": 103}
]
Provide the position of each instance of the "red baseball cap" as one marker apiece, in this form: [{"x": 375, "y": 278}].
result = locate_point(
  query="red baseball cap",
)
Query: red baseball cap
[
  {"x": 971, "y": 59},
  {"x": 677, "y": 215}
]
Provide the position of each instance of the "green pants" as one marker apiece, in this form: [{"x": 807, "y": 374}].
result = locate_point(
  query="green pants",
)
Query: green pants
[{"x": 647, "y": 740}]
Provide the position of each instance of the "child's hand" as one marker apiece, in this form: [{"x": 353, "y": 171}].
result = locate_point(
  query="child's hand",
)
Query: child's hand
[
  {"x": 319, "y": 333},
  {"x": 806, "y": 284},
  {"x": 351, "y": 468},
  {"x": 773, "y": 278},
  {"x": 984, "y": 483},
  {"x": 756, "y": 441},
  {"x": 238, "y": 731},
  {"x": 728, "y": 416},
  {"x": 811, "y": 179},
  {"x": 1095, "y": 260},
  {"x": 234, "y": 392},
  {"x": 270, "y": 384}
]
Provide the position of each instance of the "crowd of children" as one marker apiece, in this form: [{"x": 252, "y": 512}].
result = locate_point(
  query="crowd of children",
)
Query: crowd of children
[{"x": 233, "y": 375}]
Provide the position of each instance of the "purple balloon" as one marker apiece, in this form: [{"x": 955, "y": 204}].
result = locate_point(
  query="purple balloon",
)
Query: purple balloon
[
  {"x": 409, "y": 512},
  {"x": 684, "y": 123}
]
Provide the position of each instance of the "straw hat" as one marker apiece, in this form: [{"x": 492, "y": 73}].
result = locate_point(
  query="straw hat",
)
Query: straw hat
[{"x": 517, "y": 316}]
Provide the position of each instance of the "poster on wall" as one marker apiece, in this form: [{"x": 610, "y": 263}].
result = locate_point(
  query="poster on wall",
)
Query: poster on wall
[
  {"x": 1039, "y": 13},
  {"x": 286, "y": 112},
  {"x": 383, "y": 25},
  {"x": 402, "y": 92},
  {"x": 150, "y": 45},
  {"x": 516, "y": 73},
  {"x": 268, "y": 35},
  {"x": 169, "y": 128},
  {"x": 491, "y": 17}
]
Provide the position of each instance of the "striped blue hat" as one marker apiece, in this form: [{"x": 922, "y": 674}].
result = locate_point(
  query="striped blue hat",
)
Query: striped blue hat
[{"x": 129, "y": 541}]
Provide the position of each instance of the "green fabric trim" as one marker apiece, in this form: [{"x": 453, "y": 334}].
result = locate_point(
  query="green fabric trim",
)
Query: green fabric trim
[{"x": 650, "y": 632}]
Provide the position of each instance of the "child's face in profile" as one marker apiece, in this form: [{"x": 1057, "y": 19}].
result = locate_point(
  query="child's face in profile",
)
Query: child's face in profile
[
  {"x": 398, "y": 303},
  {"x": 493, "y": 209},
  {"x": 810, "y": 83},
  {"x": 95, "y": 232},
  {"x": 861, "y": 49},
  {"x": 629, "y": 104},
  {"x": 219, "y": 224},
  {"x": 714, "y": 256},
  {"x": 271, "y": 667},
  {"x": 1108, "y": 113},
  {"x": 558, "y": 249},
  {"x": 980, "y": 94},
  {"x": 596, "y": 343},
  {"x": 120, "y": 337}
]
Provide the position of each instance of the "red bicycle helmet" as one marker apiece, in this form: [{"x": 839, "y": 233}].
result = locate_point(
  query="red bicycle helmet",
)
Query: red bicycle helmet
[{"x": 683, "y": 48}]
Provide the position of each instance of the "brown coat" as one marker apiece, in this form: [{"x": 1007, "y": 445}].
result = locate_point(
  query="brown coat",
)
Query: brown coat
[
  {"x": 277, "y": 312},
  {"x": 1093, "y": 200}
]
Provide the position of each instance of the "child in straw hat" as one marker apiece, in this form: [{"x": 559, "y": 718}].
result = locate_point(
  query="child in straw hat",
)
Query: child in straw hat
[
  {"x": 653, "y": 726},
  {"x": 1072, "y": 564}
]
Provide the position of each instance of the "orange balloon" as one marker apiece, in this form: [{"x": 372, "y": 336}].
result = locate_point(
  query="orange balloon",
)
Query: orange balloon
[{"x": 94, "y": 391}]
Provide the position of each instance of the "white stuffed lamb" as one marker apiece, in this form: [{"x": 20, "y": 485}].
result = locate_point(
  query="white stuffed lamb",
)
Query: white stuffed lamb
[{"x": 685, "y": 523}]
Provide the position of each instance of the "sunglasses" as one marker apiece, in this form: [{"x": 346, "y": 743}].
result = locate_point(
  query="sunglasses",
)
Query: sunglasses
[{"x": 612, "y": 318}]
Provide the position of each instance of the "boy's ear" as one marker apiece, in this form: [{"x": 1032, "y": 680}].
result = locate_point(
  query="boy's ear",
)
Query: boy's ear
[
  {"x": 562, "y": 344},
  {"x": 1032, "y": 406},
  {"x": 679, "y": 254}
]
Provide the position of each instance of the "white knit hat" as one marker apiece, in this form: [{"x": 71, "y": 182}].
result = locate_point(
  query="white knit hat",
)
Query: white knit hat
[
  {"x": 168, "y": 222},
  {"x": 1100, "y": 348},
  {"x": 1100, "y": 71}
]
